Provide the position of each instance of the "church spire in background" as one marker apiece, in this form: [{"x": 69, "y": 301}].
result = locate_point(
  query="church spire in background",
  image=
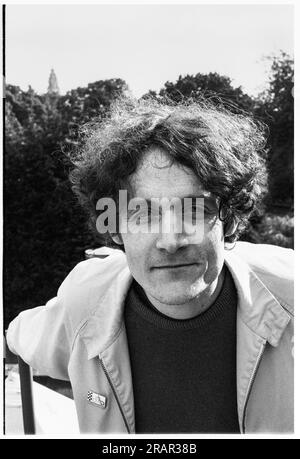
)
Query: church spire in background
[{"x": 53, "y": 85}]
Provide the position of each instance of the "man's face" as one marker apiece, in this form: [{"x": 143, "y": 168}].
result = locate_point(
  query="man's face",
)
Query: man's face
[{"x": 172, "y": 267}]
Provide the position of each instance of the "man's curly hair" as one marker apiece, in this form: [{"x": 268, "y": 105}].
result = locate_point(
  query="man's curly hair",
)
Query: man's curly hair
[{"x": 226, "y": 151}]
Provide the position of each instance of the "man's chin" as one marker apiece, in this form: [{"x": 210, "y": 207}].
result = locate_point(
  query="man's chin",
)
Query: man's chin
[{"x": 176, "y": 297}]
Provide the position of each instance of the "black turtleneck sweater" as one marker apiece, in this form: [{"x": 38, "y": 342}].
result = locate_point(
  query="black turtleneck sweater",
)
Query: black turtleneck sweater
[{"x": 183, "y": 371}]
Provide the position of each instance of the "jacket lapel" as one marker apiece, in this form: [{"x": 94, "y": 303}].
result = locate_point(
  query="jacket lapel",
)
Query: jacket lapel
[{"x": 103, "y": 326}]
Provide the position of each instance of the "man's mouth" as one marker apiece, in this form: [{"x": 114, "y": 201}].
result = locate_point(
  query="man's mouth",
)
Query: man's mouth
[{"x": 175, "y": 266}]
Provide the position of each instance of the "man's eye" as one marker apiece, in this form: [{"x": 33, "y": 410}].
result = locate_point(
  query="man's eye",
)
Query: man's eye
[
  {"x": 149, "y": 214},
  {"x": 208, "y": 210},
  {"x": 198, "y": 212},
  {"x": 195, "y": 209}
]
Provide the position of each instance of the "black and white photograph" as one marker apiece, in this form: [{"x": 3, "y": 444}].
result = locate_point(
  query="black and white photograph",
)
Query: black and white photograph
[{"x": 148, "y": 221}]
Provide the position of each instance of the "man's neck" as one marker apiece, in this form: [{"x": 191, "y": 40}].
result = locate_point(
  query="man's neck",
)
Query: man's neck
[{"x": 192, "y": 308}]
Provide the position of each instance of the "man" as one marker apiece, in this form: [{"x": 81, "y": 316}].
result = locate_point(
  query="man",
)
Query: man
[{"x": 181, "y": 330}]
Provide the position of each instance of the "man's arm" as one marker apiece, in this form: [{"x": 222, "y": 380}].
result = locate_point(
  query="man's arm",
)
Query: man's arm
[
  {"x": 40, "y": 337},
  {"x": 44, "y": 336}
]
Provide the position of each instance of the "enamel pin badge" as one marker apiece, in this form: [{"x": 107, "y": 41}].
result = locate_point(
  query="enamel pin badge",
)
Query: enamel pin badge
[{"x": 96, "y": 399}]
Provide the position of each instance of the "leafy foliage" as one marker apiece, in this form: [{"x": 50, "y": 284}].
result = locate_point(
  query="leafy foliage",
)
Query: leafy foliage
[
  {"x": 45, "y": 229},
  {"x": 272, "y": 229},
  {"x": 212, "y": 86},
  {"x": 277, "y": 111}
]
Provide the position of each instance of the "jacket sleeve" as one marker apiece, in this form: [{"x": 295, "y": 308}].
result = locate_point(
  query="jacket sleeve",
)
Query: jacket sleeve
[
  {"x": 44, "y": 336},
  {"x": 41, "y": 338}
]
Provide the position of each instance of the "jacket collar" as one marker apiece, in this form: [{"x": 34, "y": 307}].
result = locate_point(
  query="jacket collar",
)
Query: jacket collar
[{"x": 258, "y": 308}]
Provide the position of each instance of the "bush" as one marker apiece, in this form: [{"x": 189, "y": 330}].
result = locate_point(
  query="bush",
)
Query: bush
[{"x": 271, "y": 229}]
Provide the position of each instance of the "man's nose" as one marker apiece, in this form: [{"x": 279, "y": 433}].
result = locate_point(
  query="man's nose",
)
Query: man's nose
[
  {"x": 171, "y": 238},
  {"x": 171, "y": 242}
]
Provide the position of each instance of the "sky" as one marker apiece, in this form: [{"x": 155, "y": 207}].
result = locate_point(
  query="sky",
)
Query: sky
[{"x": 146, "y": 45}]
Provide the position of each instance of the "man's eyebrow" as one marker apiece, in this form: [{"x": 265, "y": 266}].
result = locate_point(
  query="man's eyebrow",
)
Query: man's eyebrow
[
  {"x": 209, "y": 199},
  {"x": 187, "y": 196},
  {"x": 149, "y": 201},
  {"x": 201, "y": 196},
  {"x": 191, "y": 196}
]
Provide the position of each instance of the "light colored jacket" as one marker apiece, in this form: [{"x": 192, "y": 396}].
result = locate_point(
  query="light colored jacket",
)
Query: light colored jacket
[{"x": 80, "y": 336}]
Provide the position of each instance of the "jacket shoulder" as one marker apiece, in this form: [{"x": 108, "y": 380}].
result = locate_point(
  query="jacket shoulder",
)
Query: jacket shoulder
[
  {"x": 274, "y": 266},
  {"x": 87, "y": 284}
]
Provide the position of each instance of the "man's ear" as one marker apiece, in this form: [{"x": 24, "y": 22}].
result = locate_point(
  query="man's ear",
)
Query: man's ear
[
  {"x": 117, "y": 238},
  {"x": 230, "y": 227}
]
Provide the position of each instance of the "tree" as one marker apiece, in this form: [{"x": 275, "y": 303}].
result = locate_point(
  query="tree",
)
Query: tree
[
  {"x": 211, "y": 86},
  {"x": 81, "y": 105},
  {"x": 45, "y": 229},
  {"x": 277, "y": 110}
]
